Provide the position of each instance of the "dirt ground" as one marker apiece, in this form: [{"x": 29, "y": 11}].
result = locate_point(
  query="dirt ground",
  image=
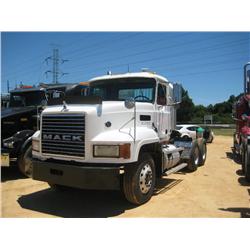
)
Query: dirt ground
[{"x": 217, "y": 189}]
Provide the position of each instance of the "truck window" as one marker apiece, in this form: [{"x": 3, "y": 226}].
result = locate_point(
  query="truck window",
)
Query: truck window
[
  {"x": 29, "y": 98},
  {"x": 142, "y": 89},
  {"x": 140, "y": 94},
  {"x": 178, "y": 127},
  {"x": 161, "y": 94}
]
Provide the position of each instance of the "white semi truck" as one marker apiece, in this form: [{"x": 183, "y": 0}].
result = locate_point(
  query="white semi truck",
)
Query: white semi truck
[{"x": 122, "y": 136}]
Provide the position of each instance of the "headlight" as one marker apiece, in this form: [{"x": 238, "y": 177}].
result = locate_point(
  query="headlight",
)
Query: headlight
[
  {"x": 9, "y": 144},
  {"x": 112, "y": 151},
  {"x": 35, "y": 145},
  {"x": 106, "y": 151}
]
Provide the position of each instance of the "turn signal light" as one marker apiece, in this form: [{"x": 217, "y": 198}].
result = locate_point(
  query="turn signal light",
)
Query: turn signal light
[{"x": 124, "y": 151}]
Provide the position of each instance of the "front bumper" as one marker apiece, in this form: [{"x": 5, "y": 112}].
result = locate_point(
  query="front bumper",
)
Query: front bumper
[
  {"x": 85, "y": 177},
  {"x": 8, "y": 157}
]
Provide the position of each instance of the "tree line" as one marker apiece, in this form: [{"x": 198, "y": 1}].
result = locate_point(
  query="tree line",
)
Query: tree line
[{"x": 188, "y": 112}]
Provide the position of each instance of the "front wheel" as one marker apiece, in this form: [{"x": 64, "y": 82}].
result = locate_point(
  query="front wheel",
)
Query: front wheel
[
  {"x": 139, "y": 180},
  {"x": 25, "y": 161}
]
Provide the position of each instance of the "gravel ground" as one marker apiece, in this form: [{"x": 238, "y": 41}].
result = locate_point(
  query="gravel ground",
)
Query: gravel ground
[{"x": 216, "y": 189}]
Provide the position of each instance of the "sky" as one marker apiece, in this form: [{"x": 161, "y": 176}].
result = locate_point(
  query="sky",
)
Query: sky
[{"x": 208, "y": 64}]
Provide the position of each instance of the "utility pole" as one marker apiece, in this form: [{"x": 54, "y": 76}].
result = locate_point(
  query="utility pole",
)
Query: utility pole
[{"x": 56, "y": 73}]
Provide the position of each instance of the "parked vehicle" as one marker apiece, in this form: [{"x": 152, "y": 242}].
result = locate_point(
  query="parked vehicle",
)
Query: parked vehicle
[
  {"x": 19, "y": 122},
  {"x": 5, "y": 99},
  {"x": 208, "y": 134},
  {"x": 241, "y": 114},
  {"x": 119, "y": 137},
  {"x": 190, "y": 131}
]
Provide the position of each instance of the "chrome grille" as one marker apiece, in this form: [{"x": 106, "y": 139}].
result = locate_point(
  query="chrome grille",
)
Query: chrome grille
[{"x": 63, "y": 134}]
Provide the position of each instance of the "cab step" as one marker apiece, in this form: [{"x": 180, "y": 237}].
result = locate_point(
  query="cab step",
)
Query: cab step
[{"x": 176, "y": 168}]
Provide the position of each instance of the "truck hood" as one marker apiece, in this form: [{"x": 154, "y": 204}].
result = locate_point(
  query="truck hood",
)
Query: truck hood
[
  {"x": 107, "y": 107},
  {"x": 8, "y": 112},
  {"x": 111, "y": 112}
]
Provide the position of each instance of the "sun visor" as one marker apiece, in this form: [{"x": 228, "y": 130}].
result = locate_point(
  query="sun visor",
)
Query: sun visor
[{"x": 75, "y": 100}]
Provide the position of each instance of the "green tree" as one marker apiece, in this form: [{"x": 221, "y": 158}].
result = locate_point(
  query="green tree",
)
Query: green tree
[{"x": 185, "y": 111}]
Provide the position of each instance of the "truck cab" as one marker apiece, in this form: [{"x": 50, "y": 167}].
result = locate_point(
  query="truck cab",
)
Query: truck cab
[
  {"x": 241, "y": 115},
  {"x": 120, "y": 133}
]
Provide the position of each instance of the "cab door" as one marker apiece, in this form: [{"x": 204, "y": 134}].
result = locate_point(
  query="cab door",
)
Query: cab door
[{"x": 163, "y": 112}]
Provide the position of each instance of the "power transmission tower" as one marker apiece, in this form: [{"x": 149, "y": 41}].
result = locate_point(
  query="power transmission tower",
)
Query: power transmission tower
[{"x": 56, "y": 60}]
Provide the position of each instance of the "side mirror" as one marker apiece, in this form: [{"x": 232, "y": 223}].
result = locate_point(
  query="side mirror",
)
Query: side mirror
[
  {"x": 177, "y": 93},
  {"x": 129, "y": 103}
]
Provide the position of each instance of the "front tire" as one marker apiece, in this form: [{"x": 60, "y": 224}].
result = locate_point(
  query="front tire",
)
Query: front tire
[
  {"x": 25, "y": 161},
  {"x": 139, "y": 180}
]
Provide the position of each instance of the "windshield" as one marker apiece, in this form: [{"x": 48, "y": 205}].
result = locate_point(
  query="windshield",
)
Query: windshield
[
  {"x": 23, "y": 99},
  {"x": 142, "y": 89}
]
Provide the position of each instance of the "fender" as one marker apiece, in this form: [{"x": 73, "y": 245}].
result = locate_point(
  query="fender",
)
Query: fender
[
  {"x": 20, "y": 141},
  {"x": 144, "y": 136},
  {"x": 22, "y": 138},
  {"x": 27, "y": 142}
]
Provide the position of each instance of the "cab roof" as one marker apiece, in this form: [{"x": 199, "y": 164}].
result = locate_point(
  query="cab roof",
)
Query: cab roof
[
  {"x": 43, "y": 87},
  {"x": 127, "y": 75}
]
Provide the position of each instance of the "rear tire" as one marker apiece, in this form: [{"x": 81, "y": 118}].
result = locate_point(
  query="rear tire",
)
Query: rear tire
[
  {"x": 247, "y": 163},
  {"x": 243, "y": 160},
  {"x": 202, "y": 153},
  {"x": 25, "y": 161},
  {"x": 139, "y": 180},
  {"x": 194, "y": 158}
]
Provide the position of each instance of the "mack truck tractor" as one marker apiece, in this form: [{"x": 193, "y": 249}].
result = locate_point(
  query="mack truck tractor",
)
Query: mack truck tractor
[
  {"x": 120, "y": 137},
  {"x": 242, "y": 118}
]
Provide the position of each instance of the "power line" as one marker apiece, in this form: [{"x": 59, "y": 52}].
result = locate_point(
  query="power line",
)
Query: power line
[
  {"x": 158, "y": 58},
  {"x": 29, "y": 60},
  {"x": 162, "y": 57},
  {"x": 190, "y": 65},
  {"x": 138, "y": 45},
  {"x": 204, "y": 72},
  {"x": 20, "y": 66},
  {"x": 175, "y": 55},
  {"x": 104, "y": 42},
  {"x": 136, "y": 53}
]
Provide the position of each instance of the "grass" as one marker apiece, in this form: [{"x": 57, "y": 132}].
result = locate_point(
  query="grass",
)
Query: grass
[{"x": 223, "y": 131}]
